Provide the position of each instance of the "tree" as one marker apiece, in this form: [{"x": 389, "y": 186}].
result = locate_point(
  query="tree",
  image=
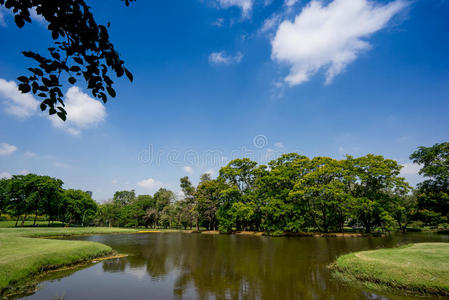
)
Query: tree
[
  {"x": 4, "y": 198},
  {"x": 404, "y": 209},
  {"x": 280, "y": 211},
  {"x": 162, "y": 198},
  {"x": 323, "y": 194},
  {"x": 81, "y": 49},
  {"x": 79, "y": 206},
  {"x": 207, "y": 198},
  {"x": 20, "y": 195},
  {"x": 137, "y": 209},
  {"x": 189, "y": 205},
  {"x": 375, "y": 178},
  {"x": 122, "y": 198},
  {"x": 433, "y": 193}
]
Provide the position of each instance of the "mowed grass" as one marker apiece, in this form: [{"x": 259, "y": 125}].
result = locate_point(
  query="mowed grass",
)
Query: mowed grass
[
  {"x": 8, "y": 224},
  {"x": 417, "y": 268},
  {"x": 23, "y": 254}
]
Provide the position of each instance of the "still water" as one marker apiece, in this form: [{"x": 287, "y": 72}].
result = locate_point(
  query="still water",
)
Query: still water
[{"x": 198, "y": 266}]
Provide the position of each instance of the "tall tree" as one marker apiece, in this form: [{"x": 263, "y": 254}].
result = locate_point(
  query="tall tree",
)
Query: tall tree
[
  {"x": 375, "y": 178},
  {"x": 433, "y": 193},
  {"x": 4, "y": 198},
  {"x": 79, "y": 207},
  {"x": 122, "y": 198}
]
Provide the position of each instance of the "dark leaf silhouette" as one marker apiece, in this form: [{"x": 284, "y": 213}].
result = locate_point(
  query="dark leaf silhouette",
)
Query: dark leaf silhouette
[{"x": 81, "y": 48}]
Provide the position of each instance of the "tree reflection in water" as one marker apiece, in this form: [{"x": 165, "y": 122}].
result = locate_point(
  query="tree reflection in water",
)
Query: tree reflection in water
[{"x": 243, "y": 267}]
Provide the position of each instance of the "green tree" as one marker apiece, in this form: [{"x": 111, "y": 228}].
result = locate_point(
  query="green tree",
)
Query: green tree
[
  {"x": 162, "y": 198},
  {"x": 375, "y": 178},
  {"x": 323, "y": 194},
  {"x": 4, "y": 198},
  {"x": 207, "y": 198},
  {"x": 433, "y": 193},
  {"x": 79, "y": 206},
  {"x": 122, "y": 198},
  {"x": 280, "y": 211}
]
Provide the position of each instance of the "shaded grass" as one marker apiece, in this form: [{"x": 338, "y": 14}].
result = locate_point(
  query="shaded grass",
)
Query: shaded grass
[
  {"x": 22, "y": 256},
  {"x": 8, "y": 224},
  {"x": 417, "y": 268}
]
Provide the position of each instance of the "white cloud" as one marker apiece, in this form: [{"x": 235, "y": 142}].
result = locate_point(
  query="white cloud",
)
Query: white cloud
[
  {"x": 17, "y": 103},
  {"x": 290, "y": 2},
  {"x": 211, "y": 172},
  {"x": 29, "y": 154},
  {"x": 188, "y": 169},
  {"x": 219, "y": 22},
  {"x": 410, "y": 169},
  {"x": 61, "y": 165},
  {"x": 82, "y": 112},
  {"x": 245, "y": 5},
  {"x": 38, "y": 18},
  {"x": 5, "y": 175},
  {"x": 329, "y": 37},
  {"x": 271, "y": 23},
  {"x": 114, "y": 181},
  {"x": 223, "y": 58},
  {"x": 7, "y": 149},
  {"x": 2, "y": 17},
  {"x": 150, "y": 183},
  {"x": 279, "y": 145}
]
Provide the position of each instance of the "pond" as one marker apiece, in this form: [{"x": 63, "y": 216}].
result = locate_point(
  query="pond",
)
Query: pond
[{"x": 199, "y": 266}]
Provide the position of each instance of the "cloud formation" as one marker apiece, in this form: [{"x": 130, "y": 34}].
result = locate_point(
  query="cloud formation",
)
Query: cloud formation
[
  {"x": 279, "y": 145},
  {"x": 188, "y": 169},
  {"x": 82, "y": 112},
  {"x": 223, "y": 58},
  {"x": 245, "y": 5},
  {"x": 150, "y": 183},
  {"x": 16, "y": 103},
  {"x": 7, "y": 149},
  {"x": 5, "y": 175},
  {"x": 410, "y": 169},
  {"x": 329, "y": 36}
]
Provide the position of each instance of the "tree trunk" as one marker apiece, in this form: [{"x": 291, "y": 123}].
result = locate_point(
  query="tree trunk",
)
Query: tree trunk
[
  {"x": 23, "y": 220},
  {"x": 35, "y": 218},
  {"x": 367, "y": 228},
  {"x": 17, "y": 220}
]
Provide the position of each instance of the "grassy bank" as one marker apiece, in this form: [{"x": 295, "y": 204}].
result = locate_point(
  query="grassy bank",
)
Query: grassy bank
[
  {"x": 22, "y": 254},
  {"x": 417, "y": 268}
]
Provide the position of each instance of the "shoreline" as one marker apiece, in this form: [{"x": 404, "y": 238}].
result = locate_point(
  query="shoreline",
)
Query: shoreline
[
  {"x": 29, "y": 284},
  {"x": 415, "y": 269},
  {"x": 28, "y": 253},
  {"x": 262, "y": 233}
]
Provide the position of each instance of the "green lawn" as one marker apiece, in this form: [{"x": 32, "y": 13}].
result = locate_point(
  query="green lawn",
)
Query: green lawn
[
  {"x": 22, "y": 254},
  {"x": 8, "y": 224},
  {"x": 417, "y": 268}
]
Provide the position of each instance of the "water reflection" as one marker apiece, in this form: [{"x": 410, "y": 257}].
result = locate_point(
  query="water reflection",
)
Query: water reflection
[{"x": 229, "y": 267}]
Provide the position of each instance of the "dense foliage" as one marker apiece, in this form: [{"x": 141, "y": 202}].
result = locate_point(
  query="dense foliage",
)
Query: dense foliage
[
  {"x": 433, "y": 193},
  {"x": 293, "y": 193},
  {"x": 25, "y": 195}
]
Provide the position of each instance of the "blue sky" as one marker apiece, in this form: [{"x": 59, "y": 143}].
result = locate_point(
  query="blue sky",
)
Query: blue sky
[{"x": 220, "y": 79}]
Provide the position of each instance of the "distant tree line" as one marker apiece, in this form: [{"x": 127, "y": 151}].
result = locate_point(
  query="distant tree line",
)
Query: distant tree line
[
  {"x": 25, "y": 196},
  {"x": 293, "y": 193}
]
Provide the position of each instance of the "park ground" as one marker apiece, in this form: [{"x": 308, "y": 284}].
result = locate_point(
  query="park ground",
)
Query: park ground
[
  {"x": 28, "y": 251},
  {"x": 421, "y": 268}
]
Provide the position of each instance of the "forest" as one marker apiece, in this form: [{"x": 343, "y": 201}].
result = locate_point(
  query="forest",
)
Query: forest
[{"x": 291, "y": 194}]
